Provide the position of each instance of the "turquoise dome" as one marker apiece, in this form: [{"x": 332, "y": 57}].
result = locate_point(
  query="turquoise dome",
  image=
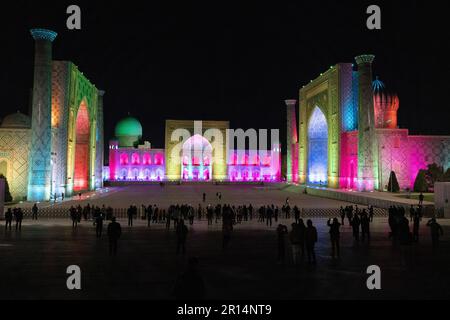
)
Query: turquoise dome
[{"x": 128, "y": 127}]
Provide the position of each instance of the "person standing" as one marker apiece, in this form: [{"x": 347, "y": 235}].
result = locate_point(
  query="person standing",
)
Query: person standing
[
  {"x": 114, "y": 233},
  {"x": 204, "y": 197},
  {"x": 421, "y": 198},
  {"x": 416, "y": 226},
  {"x": 19, "y": 218},
  {"x": 98, "y": 226},
  {"x": 342, "y": 214},
  {"x": 371, "y": 213},
  {"x": 8, "y": 218},
  {"x": 436, "y": 231},
  {"x": 130, "y": 213},
  {"x": 334, "y": 237},
  {"x": 34, "y": 212},
  {"x": 296, "y": 214},
  {"x": 310, "y": 241},
  {"x": 355, "y": 223},
  {"x": 365, "y": 226},
  {"x": 281, "y": 235},
  {"x": 181, "y": 232}
]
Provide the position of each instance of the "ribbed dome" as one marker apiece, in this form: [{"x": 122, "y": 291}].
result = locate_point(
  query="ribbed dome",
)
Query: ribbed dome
[
  {"x": 378, "y": 86},
  {"x": 16, "y": 120},
  {"x": 128, "y": 126}
]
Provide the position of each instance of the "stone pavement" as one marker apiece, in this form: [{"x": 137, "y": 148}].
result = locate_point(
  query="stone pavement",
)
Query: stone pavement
[{"x": 33, "y": 264}]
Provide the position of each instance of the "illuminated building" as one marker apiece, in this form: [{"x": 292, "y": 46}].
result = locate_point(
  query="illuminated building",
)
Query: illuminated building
[
  {"x": 189, "y": 155},
  {"x": 348, "y": 134},
  {"x": 58, "y": 148}
]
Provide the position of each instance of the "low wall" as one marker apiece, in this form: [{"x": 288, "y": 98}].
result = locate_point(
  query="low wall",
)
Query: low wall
[{"x": 361, "y": 199}]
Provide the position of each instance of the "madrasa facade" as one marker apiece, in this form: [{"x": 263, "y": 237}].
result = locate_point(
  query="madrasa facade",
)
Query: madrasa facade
[{"x": 58, "y": 148}]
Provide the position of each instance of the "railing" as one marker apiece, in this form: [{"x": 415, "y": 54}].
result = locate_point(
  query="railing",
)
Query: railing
[{"x": 121, "y": 213}]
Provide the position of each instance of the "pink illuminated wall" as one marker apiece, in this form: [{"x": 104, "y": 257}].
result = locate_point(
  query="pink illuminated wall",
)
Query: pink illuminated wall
[
  {"x": 249, "y": 166},
  {"x": 349, "y": 160},
  {"x": 81, "y": 172}
]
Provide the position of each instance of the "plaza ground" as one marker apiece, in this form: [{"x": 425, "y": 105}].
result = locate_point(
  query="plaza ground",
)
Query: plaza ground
[{"x": 34, "y": 261}]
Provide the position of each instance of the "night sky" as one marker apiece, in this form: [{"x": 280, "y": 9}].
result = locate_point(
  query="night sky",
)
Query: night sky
[{"x": 229, "y": 61}]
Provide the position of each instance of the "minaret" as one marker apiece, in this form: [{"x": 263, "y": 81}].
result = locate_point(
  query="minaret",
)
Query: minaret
[
  {"x": 39, "y": 180},
  {"x": 367, "y": 141},
  {"x": 292, "y": 142}
]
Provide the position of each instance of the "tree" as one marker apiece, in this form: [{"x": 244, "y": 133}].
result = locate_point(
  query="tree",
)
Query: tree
[
  {"x": 421, "y": 184},
  {"x": 8, "y": 197},
  {"x": 435, "y": 173},
  {"x": 447, "y": 175},
  {"x": 393, "y": 185}
]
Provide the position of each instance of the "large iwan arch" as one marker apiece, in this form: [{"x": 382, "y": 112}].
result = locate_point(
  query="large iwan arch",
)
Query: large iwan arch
[
  {"x": 317, "y": 148},
  {"x": 196, "y": 159},
  {"x": 82, "y": 148}
]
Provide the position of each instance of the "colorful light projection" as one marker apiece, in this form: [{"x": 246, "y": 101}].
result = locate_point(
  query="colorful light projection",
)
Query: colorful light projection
[
  {"x": 248, "y": 166},
  {"x": 196, "y": 159},
  {"x": 81, "y": 172},
  {"x": 318, "y": 148}
]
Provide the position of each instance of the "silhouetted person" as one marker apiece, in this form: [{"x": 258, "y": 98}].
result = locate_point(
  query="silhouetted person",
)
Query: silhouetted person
[
  {"x": 342, "y": 214},
  {"x": 296, "y": 214},
  {"x": 130, "y": 213},
  {"x": 371, "y": 213},
  {"x": 421, "y": 198},
  {"x": 34, "y": 212},
  {"x": 355, "y": 223},
  {"x": 190, "y": 285},
  {"x": 181, "y": 232},
  {"x": 114, "y": 233},
  {"x": 365, "y": 226},
  {"x": 62, "y": 196},
  {"x": 8, "y": 218},
  {"x": 334, "y": 237},
  {"x": 204, "y": 197},
  {"x": 416, "y": 226},
  {"x": 310, "y": 241},
  {"x": 98, "y": 226},
  {"x": 73, "y": 216},
  {"x": 436, "y": 231},
  {"x": 281, "y": 235}
]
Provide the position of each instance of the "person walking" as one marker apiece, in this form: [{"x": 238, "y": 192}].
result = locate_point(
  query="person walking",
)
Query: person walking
[
  {"x": 114, "y": 233},
  {"x": 334, "y": 237},
  {"x": 310, "y": 241},
  {"x": 342, "y": 214}
]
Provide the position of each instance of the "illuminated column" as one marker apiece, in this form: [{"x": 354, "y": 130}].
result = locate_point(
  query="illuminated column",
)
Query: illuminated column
[
  {"x": 367, "y": 141},
  {"x": 39, "y": 181},
  {"x": 99, "y": 157},
  {"x": 292, "y": 142}
]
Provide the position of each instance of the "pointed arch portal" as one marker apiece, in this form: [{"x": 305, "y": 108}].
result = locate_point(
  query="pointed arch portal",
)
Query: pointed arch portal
[
  {"x": 318, "y": 148},
  {"x": 82, "y": 133}
]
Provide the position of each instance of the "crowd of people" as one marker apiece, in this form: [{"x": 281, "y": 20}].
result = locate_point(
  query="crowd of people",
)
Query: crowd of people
[{"x": 302, "y": 237}]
